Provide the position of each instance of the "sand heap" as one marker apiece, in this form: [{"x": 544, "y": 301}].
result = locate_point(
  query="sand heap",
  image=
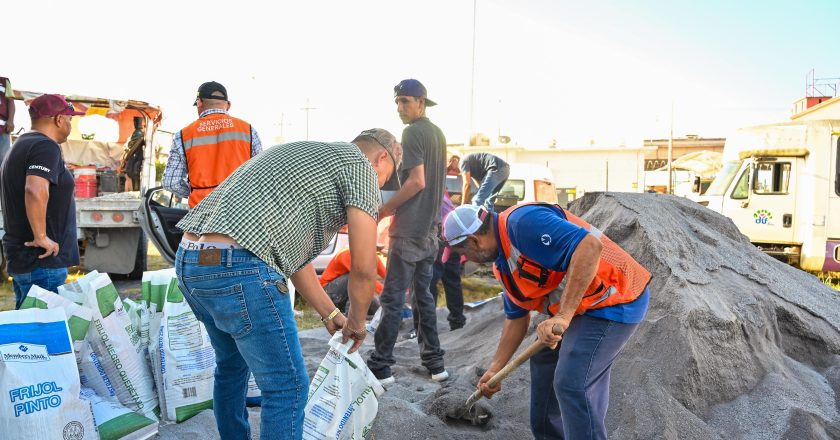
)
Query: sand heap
[{"x": 735, "y": 345}]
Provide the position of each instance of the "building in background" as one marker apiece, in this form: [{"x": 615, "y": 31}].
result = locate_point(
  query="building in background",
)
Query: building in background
[{"x": 575, "y": 170}]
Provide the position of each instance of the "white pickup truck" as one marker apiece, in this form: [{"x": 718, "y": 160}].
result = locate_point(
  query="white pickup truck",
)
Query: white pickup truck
[
  {"x": 780, "y": 185},
  {"x": 108, "y": 227}
]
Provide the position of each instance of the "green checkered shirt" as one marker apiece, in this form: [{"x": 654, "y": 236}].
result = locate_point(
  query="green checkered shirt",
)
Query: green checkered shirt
[{"x": 286, "y": 204}]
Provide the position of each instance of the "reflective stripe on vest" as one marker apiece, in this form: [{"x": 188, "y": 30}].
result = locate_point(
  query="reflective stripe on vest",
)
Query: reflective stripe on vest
[
  {"x": 215, "y": 139},
  {"x": 214, "y": 146},
  {"x": 618, "y": 280}
]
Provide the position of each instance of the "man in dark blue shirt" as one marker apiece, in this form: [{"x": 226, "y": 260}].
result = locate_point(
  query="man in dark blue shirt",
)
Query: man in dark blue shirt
[
  {"x": 490, "y": 174},
  {"x": 39, "y": 211},
  {"x": 579, "y": 367}
]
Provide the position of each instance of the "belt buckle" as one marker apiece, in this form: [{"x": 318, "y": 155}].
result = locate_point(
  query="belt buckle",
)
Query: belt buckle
[{"x": 209, "y": 257}]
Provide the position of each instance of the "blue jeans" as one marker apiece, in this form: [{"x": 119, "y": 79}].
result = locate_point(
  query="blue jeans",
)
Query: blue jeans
[
  {"x": 450, "y": 274},
  {"x": 576, "y": 406},
  {"x": 245, "y": 307},
  {"x": 45, "y": 278},
  {"x": 409, "y": 266},
  {"x": 490, "y": 186}
]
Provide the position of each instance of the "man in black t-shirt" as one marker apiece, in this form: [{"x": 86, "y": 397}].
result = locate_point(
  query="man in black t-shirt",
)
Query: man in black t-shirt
[
  {"x": 414, "y": 236},
  {"x": 39, "y": 211}
]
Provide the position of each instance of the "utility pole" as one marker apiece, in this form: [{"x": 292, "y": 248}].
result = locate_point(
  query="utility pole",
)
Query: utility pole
[
  {"x": 472, "y": 81},
  {"x": 307, "y": 109}
]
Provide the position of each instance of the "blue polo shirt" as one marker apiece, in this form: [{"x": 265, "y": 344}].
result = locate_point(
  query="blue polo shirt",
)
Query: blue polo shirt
[{"x": 542, "y": 234}]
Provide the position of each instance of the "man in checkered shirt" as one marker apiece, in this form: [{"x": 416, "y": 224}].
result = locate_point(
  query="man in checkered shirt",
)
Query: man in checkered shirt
[{"x": 262, "y": 226}]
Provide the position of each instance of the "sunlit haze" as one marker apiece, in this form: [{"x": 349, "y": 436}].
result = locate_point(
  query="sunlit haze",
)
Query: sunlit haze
[{"x": 572, "y": 72}]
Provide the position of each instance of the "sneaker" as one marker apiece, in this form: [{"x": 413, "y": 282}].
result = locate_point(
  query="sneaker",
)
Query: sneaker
[
  {"x": 440, "y": 377},
  {"x": 387, "y": 381}
]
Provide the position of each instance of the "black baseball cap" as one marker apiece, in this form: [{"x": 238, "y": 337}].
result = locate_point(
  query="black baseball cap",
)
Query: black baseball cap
[{"x": 212, "y": 90}]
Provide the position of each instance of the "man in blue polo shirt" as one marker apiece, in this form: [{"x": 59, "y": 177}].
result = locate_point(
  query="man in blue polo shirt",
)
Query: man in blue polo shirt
[{"x": 551, "y": 261}]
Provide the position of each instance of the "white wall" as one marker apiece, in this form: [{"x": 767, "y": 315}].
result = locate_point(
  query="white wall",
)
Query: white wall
[{"x": 591, "y": 169}]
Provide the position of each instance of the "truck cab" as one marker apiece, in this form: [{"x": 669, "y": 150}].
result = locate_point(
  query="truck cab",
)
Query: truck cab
[{"x": 780, "y": 185}]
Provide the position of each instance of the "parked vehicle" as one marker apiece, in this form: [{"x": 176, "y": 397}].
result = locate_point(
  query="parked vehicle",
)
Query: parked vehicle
[
  {"x": 110, "y": 236},
  {"x": 526, "y": 183},
  {"x": 780, "y": 184}
]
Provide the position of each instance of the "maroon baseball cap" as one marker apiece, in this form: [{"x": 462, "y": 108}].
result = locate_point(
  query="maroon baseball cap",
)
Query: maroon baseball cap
[{"x": 47, "y": 106}]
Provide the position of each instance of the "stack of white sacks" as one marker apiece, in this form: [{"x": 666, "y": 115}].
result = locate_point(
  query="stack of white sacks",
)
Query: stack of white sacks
[{"x": 136, "y": 362}]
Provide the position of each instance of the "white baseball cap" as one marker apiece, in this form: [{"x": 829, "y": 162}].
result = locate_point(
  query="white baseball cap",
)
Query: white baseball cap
[{"x": 462, "y": 222}]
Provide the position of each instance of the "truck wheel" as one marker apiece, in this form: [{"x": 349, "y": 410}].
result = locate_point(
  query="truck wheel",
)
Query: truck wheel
[{"x": 140, "y": 260}]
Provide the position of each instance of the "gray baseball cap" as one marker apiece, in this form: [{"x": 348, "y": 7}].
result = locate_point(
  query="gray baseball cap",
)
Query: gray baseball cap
[{"x": 394, "y": 149}]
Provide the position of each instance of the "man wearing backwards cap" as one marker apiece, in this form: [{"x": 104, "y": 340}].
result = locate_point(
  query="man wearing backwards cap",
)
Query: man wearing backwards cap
[
  {"x": 205, "y": 152},
  {"x": 555, "y": 263},
  {"x": 39, "y": 211},
  {"x": 263, "y": 225},
  {"x": 414, "y": 236}
]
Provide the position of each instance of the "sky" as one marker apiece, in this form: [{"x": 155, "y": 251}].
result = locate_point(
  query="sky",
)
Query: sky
[{"x": 604, "y": 73}]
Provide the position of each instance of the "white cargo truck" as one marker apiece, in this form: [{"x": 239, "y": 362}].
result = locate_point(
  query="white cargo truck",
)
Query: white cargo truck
[
  {"x": 108, "y": 229},
  {"x": 780, "y": 184}
]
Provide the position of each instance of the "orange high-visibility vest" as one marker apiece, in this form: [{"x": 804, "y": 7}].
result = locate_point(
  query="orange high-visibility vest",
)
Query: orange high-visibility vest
[
  {"x": 618, "y": 280},
  {"x": 214, "y": 145}
]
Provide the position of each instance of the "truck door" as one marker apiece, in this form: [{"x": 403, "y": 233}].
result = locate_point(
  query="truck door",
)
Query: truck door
[
  {"x": 762, "y": 202},
  {"x": 832, "y": 221}
]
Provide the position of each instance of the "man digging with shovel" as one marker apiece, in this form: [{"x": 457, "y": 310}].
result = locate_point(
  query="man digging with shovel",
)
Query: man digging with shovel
[{"x": 553, "y": 262}]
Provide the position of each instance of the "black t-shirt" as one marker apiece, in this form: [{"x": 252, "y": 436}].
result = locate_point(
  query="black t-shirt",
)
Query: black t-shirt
[{"x": 34, "y": 154}]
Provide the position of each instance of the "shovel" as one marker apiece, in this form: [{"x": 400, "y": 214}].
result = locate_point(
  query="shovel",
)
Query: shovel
[{"x": 468, "y": 412}]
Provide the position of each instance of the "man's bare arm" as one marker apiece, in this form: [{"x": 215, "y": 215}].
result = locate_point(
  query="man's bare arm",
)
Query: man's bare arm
[{"x": 414, "y": 184}]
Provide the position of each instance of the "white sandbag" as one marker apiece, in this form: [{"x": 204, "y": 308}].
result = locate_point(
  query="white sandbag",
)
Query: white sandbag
[
  {"x": 75, "y": 290},
  {"x": 342, "y": 402},
  {"x": 78, "y": 316},
  {"x": 154, "y": 288},
  {"x": 117, "y": 344},
  {"x": 92, "y": 374},
  {"x": 185, "y": 360},
  {"x": 116, "y": 422},
  {"x": 39, "y": 383},
  {"x": 133, "y": 310}
]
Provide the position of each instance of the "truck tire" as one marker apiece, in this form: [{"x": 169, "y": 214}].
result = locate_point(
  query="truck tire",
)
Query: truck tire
[{"x": 141, "y": 259}]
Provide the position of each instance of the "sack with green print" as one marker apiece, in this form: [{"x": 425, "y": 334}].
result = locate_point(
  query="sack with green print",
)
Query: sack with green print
[
  {"x": 75, "y": 290},
  {"x": 78, "y": 316},
  {"x": 153, "y": 288},
  {"x": 182, "y": 358},
  {"x": 116, "y": 422},
  {"x": 117, "y": 344},
  {"x": 91, "y": 373}
]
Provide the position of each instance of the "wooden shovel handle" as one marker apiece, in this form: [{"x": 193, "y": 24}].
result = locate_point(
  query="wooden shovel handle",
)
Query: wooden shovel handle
[{"x": 514, "y": 364}]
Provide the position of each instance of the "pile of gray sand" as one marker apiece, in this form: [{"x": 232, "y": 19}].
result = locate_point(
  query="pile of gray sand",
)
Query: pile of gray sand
[{"x": 736, "y": 345}]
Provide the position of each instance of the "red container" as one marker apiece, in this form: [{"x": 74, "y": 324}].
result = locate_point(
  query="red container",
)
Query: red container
[{"x": 85, "y": 182}]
